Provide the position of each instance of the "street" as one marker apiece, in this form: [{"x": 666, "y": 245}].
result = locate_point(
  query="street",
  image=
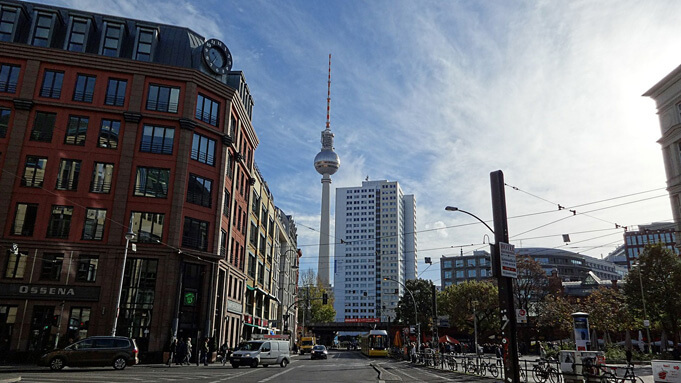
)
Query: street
[{"x": 341, "y": 366}]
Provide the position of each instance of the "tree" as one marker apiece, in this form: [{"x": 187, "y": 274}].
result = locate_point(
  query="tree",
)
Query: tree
[
  {"x": 531, "y": 284},
  {"x": 608, "y": 311},
  {"x": 310, "y": 300},
  {"x": 457, "y": 302},
  {"x": 658, "y": 277},
  {"x": 422, "y": 290},
  {"x": 555, "y": 316}
]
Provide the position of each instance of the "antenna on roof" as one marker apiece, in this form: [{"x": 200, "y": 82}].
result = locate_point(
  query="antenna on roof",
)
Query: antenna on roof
[{"x": 328, "y": 98}]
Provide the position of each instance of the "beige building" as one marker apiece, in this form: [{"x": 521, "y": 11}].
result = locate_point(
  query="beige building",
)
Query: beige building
[{"x": 667, "y": 96}]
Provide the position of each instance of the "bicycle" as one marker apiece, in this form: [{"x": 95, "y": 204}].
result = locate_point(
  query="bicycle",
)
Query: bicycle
[
  {"x": 489, "y": 366},
  {"x": 451, "y": 362},
  {"x": 544, "y": 371}
]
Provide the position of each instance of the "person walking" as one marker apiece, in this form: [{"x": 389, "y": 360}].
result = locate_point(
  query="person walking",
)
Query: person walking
[
  {"x": 181, "y": 350},
  {"x": 188, "y": 355},
  {"x": 173, "y": 351},
  {"x": 202, "y": 353}
]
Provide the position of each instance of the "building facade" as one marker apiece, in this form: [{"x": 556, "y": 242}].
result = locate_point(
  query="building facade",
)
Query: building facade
[
  {"x": 667, "y": 96},
  {"x": 376, "y": 239},
  {"x": 110, "y": 125},
  {"x": 567, "y": 265},
  {"x": 658, "y": 232},
  {"x": 289, "y": 266}
]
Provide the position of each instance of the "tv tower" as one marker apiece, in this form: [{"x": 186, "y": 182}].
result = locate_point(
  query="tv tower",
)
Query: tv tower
[{"x": 326, "y": 163}]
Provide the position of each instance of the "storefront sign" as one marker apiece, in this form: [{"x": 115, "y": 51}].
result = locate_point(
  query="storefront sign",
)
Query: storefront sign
[
  {"x": 666, "y": 371},
  {"x": 59, "y": 292},
  {"x": 233, "y": 307},
  {"x": 362, "y": 320}
]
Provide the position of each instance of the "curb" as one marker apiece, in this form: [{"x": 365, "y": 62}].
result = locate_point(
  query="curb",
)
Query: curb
[{"x": 11, "y": 380}]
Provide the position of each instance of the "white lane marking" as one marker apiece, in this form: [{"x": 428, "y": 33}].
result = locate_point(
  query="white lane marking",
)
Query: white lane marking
[
  {"x": 235, "y": 376},
  {"x": 407, "y": 375},
  {"x": 433, "y": 374},
  {"x": 279, "y": 374}
]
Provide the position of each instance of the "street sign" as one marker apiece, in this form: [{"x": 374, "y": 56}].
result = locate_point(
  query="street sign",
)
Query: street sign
[
  {"x": 521, "y": 315},
  {"x": 508, "y": 260}
]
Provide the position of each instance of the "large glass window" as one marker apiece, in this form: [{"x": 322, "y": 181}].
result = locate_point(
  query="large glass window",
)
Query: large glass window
[
  {"x": 163, "y": 98},
  {"x": 157, "y": 139},
  {"x": 60, "y": 222},
  {"x": 203, "y": 149},
  {"x": 16, "y": 265},
  {"x": 52, "y": 84},
  {"x": 67, "y": 179},
  {"x": 76, "y": 41},
  {"x": 79, "y": 322},
  {"x": 115, "y": 92},
  {"x": 93, "y": 229},
  {"x": 76, "y": 130},
  {"x": 199, "y": 190},
  {"x": 148, "y": 227},
  {"x": 51, "y": 268},
  {"x": 112, "y": 39},
  {"x": 195, "y": 234},
  {"x": 207, "y": 110},
  {"x": 24, "y": 219},
  {"x": 152, "y": 182},
  {"x": 43, "y": 126},
  {"x": 137, "y": 299},
  {"x": 9, "y": 76},
  {"x": 5, "y": 114},
  {"x": 108, "y": 134},
  {"x": 8, "y": 19},
  {"x": 85, "y": 88},
  {"x": 87, "y": 268},
  {"x": 226, "y": 203},
  {"x": 145, "y": 40},
  {"x": 34, "y": 171},
  {"x": 41, "y": 33},
  {"x": 102, "y": 177}
]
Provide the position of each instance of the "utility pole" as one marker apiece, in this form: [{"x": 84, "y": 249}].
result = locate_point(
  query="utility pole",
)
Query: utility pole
[{"x": 506, "y": 304}]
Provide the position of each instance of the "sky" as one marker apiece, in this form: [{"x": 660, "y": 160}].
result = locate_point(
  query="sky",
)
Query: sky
[{"x": 438, "y": 94}]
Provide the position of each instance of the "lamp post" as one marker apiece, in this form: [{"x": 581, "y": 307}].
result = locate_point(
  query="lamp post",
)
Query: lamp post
[
  {"x": 475, "y": 325},
  {"x": 128, "y": 236},
  {"x": 646, "y": 323},
  {"x": 416, "y": 318},
  {"x": 452, "y": 208}
]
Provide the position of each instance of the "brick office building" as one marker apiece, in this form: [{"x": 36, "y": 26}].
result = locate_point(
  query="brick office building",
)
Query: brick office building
[{"x": 108, "y": 125}]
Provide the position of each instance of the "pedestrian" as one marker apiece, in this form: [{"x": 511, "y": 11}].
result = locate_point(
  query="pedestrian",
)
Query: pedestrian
[
  {"x": 181, "y": 352},
  {"x": 173, "y": 351},
  {"x": 188, "y": 355},
  {"x": 202, "y": 353},
  {"x": 223, "y": 353},
  {"x": 542, "y": 351}
]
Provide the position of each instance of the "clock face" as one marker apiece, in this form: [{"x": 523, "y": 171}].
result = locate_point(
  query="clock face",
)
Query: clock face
[{"x": 216, "y": 56}]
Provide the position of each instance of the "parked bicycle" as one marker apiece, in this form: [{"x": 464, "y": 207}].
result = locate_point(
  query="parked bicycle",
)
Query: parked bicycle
[{"x": 544, "y": 371}]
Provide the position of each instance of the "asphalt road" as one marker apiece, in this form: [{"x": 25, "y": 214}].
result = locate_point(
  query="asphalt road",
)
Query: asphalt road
[{"x": 341, "y": 366}]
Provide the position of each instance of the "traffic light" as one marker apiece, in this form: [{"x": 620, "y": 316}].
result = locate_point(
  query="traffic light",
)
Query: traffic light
[{"x": 325, "y": 298}]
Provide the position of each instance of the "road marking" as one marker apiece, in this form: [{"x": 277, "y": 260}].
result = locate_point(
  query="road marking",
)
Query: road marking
[
  {"x": 279, "y": 374},
  {"x": 235, "y": 376},
  {"x": 433, "y": 374},
  {"x": 407, "y": 375}
]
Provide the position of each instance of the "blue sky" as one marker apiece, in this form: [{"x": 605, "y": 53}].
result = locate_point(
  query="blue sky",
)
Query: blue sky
[{"x": 437, "y": 94}]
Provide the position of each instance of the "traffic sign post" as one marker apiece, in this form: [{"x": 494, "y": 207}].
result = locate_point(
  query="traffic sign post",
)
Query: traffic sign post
[
  {"x": 521, "y": 315},
  {"x": 509, "y": 267}
]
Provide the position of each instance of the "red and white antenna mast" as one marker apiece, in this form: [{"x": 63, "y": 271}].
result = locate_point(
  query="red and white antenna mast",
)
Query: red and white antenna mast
[{"x": 328, "y": 98}]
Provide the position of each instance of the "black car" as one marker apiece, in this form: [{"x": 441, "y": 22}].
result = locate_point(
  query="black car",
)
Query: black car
[
  {"x": 95, "y": 351},
  {"x": 318, "y": 352}
]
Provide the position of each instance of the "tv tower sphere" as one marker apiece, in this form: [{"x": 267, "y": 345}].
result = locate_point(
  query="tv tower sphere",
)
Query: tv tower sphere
[{"x": 327, "y": 161}]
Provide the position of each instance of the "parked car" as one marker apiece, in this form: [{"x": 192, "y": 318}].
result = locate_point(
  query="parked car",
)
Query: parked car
[
  {"x": 263, "y": 352},
  {"x": 318, "y": 352},
  {"x": 95, "y": 351}
]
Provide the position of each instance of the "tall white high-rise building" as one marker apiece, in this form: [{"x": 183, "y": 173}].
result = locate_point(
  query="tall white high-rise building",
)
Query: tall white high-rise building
[{"x": 375, "y": 239}]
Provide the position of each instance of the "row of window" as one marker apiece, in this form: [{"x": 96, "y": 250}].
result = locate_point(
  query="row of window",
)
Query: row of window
[
  {"x": 160, "y": 98},
  {"x": 148, "y": 227},
  {"x": 86, "y": 268}
]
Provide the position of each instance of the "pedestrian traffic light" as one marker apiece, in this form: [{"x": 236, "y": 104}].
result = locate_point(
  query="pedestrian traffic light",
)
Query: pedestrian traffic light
[{"x": 325, "y": 298}]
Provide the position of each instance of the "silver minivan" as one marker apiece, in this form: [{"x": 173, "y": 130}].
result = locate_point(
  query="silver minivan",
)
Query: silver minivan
[{"x": 261, "y": 352}]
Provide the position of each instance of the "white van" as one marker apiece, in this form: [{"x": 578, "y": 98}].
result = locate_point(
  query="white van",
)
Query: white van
[{"x": 261, "y": 352}]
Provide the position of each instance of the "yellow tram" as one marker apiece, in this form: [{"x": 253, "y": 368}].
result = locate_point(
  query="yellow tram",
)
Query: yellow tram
[{"x": 375, "y": 343}]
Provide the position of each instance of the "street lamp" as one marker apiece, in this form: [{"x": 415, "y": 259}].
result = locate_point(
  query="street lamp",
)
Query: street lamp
[
  {"x": 416, "y": 318},
  {"x": 646, "y": 323},
  {"x": 452, "y": 208},
  {"x": 128, "y": 236}
]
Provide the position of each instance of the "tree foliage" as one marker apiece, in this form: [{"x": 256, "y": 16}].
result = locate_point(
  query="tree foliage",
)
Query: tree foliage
[
  {"x": 422, "y": 290},
  {"x": 555, "y": 316},
  {"x": 457, "y": 301},
  {"x": 608, "y": 310},
  {"x": 658, "y": 277},
  {"x": 531, "y": 284},
  {"x": 311, "y": 307}
]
